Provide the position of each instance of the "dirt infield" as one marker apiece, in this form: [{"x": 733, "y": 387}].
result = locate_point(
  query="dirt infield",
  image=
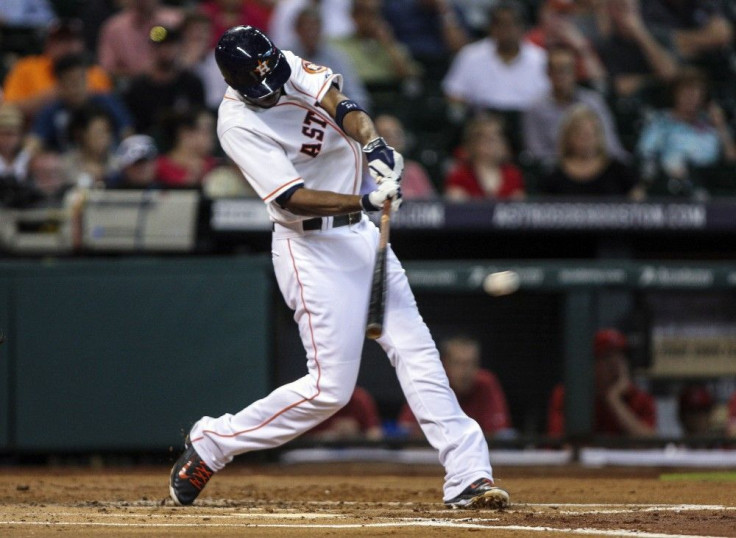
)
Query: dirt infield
[{"x": 362, "y": 500}]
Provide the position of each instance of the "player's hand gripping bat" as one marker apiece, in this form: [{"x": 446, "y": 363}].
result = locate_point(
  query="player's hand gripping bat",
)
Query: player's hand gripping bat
[{"x": 377, "y": 304}]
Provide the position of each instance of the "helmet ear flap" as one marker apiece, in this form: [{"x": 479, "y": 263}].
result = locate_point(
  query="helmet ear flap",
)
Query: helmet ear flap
[{"x": 250, "y": 62}]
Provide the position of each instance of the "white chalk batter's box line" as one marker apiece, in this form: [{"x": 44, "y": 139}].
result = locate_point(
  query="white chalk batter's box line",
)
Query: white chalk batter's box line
[{"x": 418, "y": 522}]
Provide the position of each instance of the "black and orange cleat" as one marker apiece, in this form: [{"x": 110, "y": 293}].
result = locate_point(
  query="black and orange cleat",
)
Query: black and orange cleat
[
  {"x": 189, "y": 476},
  {"x": 481, "y": 494}
]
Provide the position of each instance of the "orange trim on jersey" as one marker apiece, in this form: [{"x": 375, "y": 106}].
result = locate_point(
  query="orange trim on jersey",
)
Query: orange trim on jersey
[
  {"x": 331, "y": 122},
  {"x": 297, "y": 88},
  {"x": 316, "y": 360},
  {"x": 231, "y": 98},
  {"x": 326, "y": 81},
  {"x": 270, "y": 194}
]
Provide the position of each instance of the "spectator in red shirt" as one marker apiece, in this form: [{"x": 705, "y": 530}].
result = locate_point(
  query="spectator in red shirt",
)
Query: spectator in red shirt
[
  {"x": 620, "y": 407},
  {"x": 484, "y": 170},
  {"x": 694, "y": 407},
  {"x": 358, "y": 419},
  {"x": 190, "y": 158},
  {"x": 478, "y": 390},
  {"x": 731, "y": 424}
]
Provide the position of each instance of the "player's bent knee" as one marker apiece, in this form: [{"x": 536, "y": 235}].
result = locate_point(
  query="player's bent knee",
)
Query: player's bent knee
[{"x": 334, "y": 398}]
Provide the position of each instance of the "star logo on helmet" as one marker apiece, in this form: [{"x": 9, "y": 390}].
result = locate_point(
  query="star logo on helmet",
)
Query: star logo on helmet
[{"x": 262, "y": 68}]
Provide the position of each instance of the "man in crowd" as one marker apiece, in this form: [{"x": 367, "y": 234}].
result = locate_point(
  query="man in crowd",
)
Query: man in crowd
[
  {"x": 124, "y": 47},
  {"x": 32, "y": 83},
  {"x": 50, "y": 128},
  {"x": 500, "y": 72},
  {"x": 541, "y": 122},
  {"x": 477, "y": 389},
  {"x": 621, "y": 408},
  {"x": 166, "y": 87},
  {"x": 312, "y": 46}
]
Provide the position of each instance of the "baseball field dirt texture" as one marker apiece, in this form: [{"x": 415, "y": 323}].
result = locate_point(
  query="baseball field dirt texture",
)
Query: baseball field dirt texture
[{"x": 364, "y": 499}]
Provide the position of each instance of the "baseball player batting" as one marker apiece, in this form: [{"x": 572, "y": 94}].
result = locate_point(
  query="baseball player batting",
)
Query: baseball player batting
[{"x": 301, "y": 144}]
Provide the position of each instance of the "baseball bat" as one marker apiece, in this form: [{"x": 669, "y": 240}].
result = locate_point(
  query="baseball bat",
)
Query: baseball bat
[{"x": 377, "y": 304}]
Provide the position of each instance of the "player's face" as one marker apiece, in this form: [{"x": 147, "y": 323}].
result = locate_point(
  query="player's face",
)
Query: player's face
[{"x": 267, "y": 101}]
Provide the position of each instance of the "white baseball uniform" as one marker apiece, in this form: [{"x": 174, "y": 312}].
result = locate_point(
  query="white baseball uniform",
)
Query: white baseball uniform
[{"x": 325, "y": 276}]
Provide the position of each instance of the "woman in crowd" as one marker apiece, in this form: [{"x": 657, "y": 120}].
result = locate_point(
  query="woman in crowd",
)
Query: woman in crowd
[
  {"x": 584, "y": 167},
  {"x": 692, "y": 134},
  {"x": 15, "y": 189},
  {"x": 190, "y": 158},
  {"x": 135, "y": 164},
  {"x": 89, "y": 161},
  {"x": 485, "y": 170},
  {"x": 13, "y": 158}
]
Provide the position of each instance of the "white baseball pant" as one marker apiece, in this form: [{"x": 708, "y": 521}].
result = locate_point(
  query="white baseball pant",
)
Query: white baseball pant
[{"x": 325, "y": 277}]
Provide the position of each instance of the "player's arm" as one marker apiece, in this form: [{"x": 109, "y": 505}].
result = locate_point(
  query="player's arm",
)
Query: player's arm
[
  {"x": 356, "y": 123},
  {"x": 384, "y": 163},
  {"x": 310, "y": 202}
]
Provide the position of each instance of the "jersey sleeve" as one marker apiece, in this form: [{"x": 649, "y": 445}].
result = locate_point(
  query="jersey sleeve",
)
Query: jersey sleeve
[
  {"x": 263, "y": 163},
  {"x": 312, "y": 81}
]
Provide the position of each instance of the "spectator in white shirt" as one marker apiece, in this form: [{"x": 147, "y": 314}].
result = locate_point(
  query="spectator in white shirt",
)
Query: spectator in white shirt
[{"x": 500, "y": 72}]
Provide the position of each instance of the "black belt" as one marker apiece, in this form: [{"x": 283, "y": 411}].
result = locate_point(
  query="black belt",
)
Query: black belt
[{"x": 337, "y": 221}]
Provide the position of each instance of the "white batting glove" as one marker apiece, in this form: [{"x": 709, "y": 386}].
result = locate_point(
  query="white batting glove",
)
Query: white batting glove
[
  {"x": 388, "y": 190},
  {"x": 384, "y": 162}
]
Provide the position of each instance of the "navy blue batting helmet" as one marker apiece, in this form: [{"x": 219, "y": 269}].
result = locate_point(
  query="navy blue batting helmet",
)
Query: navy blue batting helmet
[{"x": 250, "y": 62}]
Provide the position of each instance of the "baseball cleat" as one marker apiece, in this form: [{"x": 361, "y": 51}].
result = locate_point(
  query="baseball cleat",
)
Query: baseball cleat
[
  {"x": 189, "y": 476},
  {"x": 480, "y": 494}
]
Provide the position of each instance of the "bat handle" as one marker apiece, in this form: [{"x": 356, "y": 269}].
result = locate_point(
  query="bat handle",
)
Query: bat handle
[{"x": 384, "y": 225}]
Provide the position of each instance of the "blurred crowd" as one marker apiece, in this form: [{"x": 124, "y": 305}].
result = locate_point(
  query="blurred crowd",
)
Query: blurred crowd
[
  {"x": 496, "y": 99},
  {"x": 622, "y": 408}
]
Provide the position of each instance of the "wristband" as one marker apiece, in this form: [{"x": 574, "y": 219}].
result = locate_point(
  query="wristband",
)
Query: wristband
[
  {"x": 365, "y": 203},
  {"x": 343, "y": 109},
  {"x": 373, "y": 144}
]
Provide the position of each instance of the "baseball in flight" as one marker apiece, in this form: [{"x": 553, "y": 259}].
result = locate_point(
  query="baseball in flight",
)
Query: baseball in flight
[{"x": 501, "y": 283}]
